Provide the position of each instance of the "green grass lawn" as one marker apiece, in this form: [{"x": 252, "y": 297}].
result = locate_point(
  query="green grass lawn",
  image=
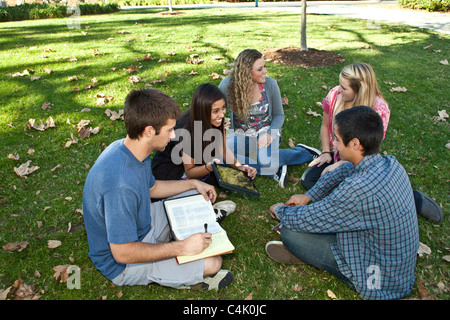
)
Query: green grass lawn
[{"x": 46, "y": 204}]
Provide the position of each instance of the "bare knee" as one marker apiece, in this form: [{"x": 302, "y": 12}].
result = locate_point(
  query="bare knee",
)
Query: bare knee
[{"x": 212, "y": 266}]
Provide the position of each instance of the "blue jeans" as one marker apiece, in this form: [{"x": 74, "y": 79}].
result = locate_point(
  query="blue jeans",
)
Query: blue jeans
[
  {"x": 268, "y": 160},
  {"x": 314, "y": 249}
]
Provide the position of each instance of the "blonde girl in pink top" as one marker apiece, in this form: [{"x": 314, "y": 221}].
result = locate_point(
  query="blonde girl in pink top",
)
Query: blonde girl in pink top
[{"x": 357, "y": 86}]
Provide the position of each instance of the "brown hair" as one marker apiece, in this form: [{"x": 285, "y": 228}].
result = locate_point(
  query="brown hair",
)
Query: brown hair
[
  {"x": 148, "y": 107},
  {"x": 204, "y": 97},
  {"x": 240, "y": 87}
]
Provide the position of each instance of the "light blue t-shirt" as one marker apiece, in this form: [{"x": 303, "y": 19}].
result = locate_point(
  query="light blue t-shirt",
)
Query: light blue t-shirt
[{"x": 116, "y": 204}]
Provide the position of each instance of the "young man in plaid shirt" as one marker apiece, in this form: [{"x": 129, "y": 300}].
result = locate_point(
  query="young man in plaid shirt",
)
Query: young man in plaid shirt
[{"x": 362, "y": 224}]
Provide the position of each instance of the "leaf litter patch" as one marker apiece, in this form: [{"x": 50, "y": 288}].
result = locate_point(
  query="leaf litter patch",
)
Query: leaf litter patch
[{"x": 307, "y": 59}]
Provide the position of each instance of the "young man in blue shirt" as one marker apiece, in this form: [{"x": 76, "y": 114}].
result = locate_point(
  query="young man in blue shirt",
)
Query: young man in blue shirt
[
  {"x": 362, "y": 224},
  {"x": 128, "y": 234}
]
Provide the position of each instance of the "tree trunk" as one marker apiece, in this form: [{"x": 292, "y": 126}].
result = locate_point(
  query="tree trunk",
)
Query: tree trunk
[{"x": 303, "y": 46}]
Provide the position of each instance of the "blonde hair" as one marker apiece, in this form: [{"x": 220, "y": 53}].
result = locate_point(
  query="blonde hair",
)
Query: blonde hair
[
  {"x": 364, "y": 84},
  {"x": 240, "y": 87}
]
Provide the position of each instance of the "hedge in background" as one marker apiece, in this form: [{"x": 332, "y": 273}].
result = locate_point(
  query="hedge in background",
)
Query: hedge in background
[
  {"x": 31, "y": 11},
  {"x": 429, "y": 5},
  {"x": 159, "y": 2}
]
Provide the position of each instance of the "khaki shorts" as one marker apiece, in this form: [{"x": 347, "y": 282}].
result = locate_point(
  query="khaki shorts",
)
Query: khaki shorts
[{"x": 164, "y": 272}]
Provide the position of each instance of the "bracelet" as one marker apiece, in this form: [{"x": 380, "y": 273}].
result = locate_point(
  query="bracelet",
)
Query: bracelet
[
  {"x": 327, "y": 152},
  {"x": 206, "y": 167}
]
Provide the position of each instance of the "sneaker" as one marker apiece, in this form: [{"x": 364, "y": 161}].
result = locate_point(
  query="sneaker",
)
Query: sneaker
[
  {"x": 314, "y": 152},
  {"x": 220, "y": 215},
  {"x": 282, "y": 176},
  {"x": 218, "y": 281},
  {"x": 223, "y": 209},
  {"x": 227, "y": 205},
  {"x": 278, "y": 252},
  {"x": 427, "y": 207}
]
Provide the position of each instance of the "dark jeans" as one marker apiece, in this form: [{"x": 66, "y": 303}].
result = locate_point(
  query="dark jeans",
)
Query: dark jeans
[
  {"x": 312, "y": 175},
  {"x": 314, "y": 249}
]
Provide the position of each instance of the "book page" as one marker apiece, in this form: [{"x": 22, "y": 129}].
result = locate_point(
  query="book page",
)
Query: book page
[
  {"x": 220, "y": 245},
  {"x": 188, "y": 216},
  {"x": 183, "y": 233}
]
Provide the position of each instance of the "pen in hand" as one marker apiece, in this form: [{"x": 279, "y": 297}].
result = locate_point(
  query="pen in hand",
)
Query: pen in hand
[{"x": 206, "y": 230}]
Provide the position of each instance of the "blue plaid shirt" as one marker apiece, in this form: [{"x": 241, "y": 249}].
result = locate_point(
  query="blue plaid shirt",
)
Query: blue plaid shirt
[{"x": 371, "y": 209}]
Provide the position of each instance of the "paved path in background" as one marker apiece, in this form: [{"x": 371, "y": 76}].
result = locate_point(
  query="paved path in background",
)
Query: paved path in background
[{"x": 373, "y": 10}]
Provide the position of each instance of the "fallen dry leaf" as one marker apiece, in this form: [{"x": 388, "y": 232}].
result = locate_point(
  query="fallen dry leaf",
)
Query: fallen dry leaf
[
  {"x": 95, "y": 130},
  {"x": 100, "y": 102},
  {"x": 291, "y": 143},
  {"x": 46, "y": 106},
  {"x": 52, "y": 244},
  {"x": 4, "y": 293},
  {"x": 222, "y": 195},
  {"x": 24, "y": 291},
  {"x": 131, "y": 68},
  {"x": 148, "y": 57},
  {"x": 114, "y": 115},
  {"x": 284, "y": 100},
  {"x": 294, "y": 179},
  {"x": 135, "y": 79},
  {"x": 443, "y": 114},
  {"x": 215, "y": 76},
  {"x": 297, "y": 288},
  {"x": 82, "y": 124},
  {"x": 15, "y": 246},
  {"x": 14, "y": 156},
  {"x": 62, "y": 272},
  {"x": 72, "y": 140},
  {"x": 398, "y": 89},
  {"x": 315, "y": 114},
  {"x": 85, "y": 133},
  {"x": 423, "y": 291},
  {"x": 331, "y": 295},
  {"x": 24, "y": 73},
  {"x": 423, "y": 249},
  {"x": 41, "y": 127},
  {"x": 444, "y": 62},
  {"x": 24, "y": 169}
]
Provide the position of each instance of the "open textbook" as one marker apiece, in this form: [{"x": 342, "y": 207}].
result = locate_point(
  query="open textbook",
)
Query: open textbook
[{"x": 188, "y": 216}]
